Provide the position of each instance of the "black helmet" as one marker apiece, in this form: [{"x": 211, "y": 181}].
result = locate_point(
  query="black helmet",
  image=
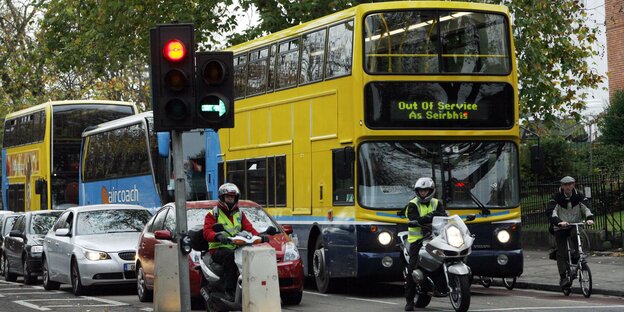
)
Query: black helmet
[
  {"x": 228, "y": 189},
  {"x": 425, "y": 184}
]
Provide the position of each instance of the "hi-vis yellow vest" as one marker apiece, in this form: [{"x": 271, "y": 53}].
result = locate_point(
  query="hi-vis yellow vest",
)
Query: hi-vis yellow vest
[
  {"x": 415, "y": 233},
  {"x": 230, "y": 228}
]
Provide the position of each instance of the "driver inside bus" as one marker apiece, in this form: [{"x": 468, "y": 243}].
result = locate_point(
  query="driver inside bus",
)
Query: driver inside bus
[{"x": 422, "y": 208}]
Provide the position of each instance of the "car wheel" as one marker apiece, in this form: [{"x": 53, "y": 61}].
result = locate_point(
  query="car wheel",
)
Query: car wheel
[
  {"x": 8, "y": 276},
  {"x": 47, "y": 283},
  {"x": 145, "y": 295},
  {"x": 28, "y": 278},
  {"x": 292, "y": 298},
  {"x": 77, "y": 288}
]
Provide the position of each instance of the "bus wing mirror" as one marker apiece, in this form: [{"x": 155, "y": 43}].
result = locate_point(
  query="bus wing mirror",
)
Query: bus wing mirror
[
  {"x": 40, "y": 186},
  {"x": 163, "y": 144}
]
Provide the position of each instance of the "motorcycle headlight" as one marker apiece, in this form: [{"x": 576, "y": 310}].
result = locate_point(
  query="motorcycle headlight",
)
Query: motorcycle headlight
[
  {"x": 454, "y": 236},
  {"x": 384, "y": 238},
  {"x": 290, "y": 252},
  {"x": 195, "y": 256},
  {"x": 503, "y": 236},
  {"x": 96, "y": 255}
]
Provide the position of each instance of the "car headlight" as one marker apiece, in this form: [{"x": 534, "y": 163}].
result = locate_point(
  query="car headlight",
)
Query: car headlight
[
  {"x": 96, "y": 255},
  {"x": 384, "y": 238},
  {"x": 36, "y": 249},
  {"x": 454, "y": 236},
  {"x": 290, "y": 252},
  {"x": 503, "y": 236}
]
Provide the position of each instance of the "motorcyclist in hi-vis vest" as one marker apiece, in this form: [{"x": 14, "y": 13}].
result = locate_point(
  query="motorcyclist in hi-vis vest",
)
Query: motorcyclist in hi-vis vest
[
  {"x": 220, "y": 247},
  {"x": 422, "y": 208}
]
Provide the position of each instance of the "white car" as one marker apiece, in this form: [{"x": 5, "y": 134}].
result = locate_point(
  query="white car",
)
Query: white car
[{"x": 93, "y": 245}]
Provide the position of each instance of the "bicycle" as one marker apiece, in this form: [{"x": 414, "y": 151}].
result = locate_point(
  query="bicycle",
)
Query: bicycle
[{"x": 579, "y": 269}]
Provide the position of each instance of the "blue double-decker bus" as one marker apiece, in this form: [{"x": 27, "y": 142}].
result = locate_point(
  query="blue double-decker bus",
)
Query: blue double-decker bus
[{"x": 126, "y": 162}]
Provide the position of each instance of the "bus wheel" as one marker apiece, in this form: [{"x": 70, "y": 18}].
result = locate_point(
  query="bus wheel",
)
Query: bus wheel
[{"x": 319, "y": 264}]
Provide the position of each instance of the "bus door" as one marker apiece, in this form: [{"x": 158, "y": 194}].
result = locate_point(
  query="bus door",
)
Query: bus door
[{"x": 302, "y": 160}]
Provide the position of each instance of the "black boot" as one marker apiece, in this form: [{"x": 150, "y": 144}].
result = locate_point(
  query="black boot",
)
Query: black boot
[
  {"x": 409, "y": 306},
  {"x": 564, "y": 281}
]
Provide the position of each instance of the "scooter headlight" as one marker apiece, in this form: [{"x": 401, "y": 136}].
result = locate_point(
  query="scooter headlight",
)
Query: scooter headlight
[{"x": 454, "y": 236}]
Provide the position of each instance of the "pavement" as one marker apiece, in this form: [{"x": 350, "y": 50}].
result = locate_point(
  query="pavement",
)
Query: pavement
[{"x": 541, "y": 273}]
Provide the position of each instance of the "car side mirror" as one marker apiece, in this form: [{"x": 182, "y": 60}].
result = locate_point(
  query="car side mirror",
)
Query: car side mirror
[
  {"x": 61, "y": 232},
  {"x": 163, "y": 234},
  {"x": 288, "y": 229},
  {"x": 15, "y": 233}
]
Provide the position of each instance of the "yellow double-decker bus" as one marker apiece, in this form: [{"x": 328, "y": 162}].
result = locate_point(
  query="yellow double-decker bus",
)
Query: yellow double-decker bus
[
  {"x": 41, "y": 151},
  {"x": 337, "y": 118}
]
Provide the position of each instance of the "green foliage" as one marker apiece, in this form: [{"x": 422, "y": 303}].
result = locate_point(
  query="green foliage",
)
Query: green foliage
[
  {"x": 611, "y": 124},
  {"x": 558, "y": 157}
]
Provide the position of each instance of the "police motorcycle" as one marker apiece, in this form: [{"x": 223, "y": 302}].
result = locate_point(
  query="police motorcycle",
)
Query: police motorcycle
[
  {"x": 441, "y": 269},
  {"x": 212, "y": 287}
]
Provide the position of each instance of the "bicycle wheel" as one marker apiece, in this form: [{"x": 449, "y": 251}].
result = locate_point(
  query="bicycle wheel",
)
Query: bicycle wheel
[
  {"x": 509, "y": 282},
  {"x": 585, "y": 280}
]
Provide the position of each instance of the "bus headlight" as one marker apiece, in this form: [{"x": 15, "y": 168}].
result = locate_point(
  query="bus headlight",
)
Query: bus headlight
[
  {"x": 290, "y": 252},
  {"x": 454, "y": 236},
  {"x": 384, "y": 238},
  {"x": 503, "y": 236}
]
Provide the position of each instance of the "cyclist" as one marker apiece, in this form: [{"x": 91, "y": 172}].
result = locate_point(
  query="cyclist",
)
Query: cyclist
[{"x": 569, "y": 208}]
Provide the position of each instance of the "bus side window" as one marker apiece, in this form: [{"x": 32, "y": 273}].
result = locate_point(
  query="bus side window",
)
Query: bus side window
[{"x": 342, "y": 164}]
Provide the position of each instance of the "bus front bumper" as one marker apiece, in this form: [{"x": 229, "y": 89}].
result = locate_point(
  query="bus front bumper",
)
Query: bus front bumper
[
  {"x": 386, "y": 266},
  {"x": 496, "y": 263}
]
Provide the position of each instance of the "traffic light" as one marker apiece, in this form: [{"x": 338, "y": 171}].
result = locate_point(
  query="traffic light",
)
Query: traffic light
[
  {"x": 214, "y": 79},
  {"x": 172, "y": 69}
]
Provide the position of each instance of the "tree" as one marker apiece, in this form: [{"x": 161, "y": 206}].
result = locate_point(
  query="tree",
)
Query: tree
[
  {"x": 611, "y": 124},
  {"x": 553, "y": 44}
]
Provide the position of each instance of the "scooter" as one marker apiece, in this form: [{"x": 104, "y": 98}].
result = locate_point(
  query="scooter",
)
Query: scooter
[
  {"x": 212, "y": 288},
  {"x": 441, "y": 269}
]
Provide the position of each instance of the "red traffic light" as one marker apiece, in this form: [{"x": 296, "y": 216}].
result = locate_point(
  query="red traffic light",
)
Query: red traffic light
[{"x": 174, "y": 50}]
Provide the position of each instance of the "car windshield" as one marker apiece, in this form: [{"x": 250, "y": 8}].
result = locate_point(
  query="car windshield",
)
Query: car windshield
[
  {"x": 41, "y": 223},
  {"x": 196, "y": 217},
  {"x": 111, "y": 221},
  {"x": 258, "y": 218},
  {"x": 8, "y": 225},
  {"x": 467, "y": 174}
]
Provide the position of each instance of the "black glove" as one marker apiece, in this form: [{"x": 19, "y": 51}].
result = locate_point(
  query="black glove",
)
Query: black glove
[
  {"x": 221, "y": 238},
  {"x": 265, "y": 238}
]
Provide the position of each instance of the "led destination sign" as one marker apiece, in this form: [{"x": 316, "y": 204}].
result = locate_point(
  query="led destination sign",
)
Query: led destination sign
[{"x": 448, "y": 105}]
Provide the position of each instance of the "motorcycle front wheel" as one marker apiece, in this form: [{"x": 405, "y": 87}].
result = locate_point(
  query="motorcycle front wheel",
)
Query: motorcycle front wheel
[{"x": 460, "y": 292}]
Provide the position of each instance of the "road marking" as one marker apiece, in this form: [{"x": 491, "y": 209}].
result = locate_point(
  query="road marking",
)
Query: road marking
[
  {"x": 370, "y": 300},
  {"x": 147, "y": 309},
  {"x": 31, "y": 303},
  {"x": 315, "y": 293},
  {"x": 550, "y": 308}
]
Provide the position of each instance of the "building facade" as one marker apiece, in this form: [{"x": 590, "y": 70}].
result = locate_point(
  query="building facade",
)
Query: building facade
[{"x": 614, "y": 20}]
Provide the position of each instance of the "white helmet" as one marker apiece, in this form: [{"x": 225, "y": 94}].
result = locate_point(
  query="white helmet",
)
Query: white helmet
[{"x": 422, "y": 184}]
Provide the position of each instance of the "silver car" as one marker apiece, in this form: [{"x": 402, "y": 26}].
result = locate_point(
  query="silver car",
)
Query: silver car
[{"x": 93, "y": 245}]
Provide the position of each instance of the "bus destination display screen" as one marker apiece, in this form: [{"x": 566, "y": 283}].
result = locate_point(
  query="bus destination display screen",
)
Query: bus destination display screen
[{"x": 441, "y": 105}]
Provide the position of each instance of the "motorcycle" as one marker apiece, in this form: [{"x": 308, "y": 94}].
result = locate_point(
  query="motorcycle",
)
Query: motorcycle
[
  {"x": 441, "y": 269},
  {"x": 212, "y": 287}
]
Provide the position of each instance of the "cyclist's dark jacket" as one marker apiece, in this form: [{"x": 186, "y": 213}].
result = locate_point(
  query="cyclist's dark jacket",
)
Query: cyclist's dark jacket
[{"x": 570, "y": 209}]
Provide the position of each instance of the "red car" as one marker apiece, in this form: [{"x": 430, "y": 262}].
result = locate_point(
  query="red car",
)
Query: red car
[{"x": 160, "y": 228}]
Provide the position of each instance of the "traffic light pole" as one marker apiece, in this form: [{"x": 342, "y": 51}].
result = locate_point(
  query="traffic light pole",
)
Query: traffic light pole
[{"x": 181, "y": 225}]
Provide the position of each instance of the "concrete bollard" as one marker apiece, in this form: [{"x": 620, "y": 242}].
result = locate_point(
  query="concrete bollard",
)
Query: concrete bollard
[
  {"x": 166, "y": 285},
  {"x": 260, "y": 280}
]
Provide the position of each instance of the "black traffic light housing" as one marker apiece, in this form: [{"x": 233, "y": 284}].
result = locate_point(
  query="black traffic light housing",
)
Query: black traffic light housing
[
  {"x": 172, "y": 50},
  {"x": 214, "y": 86}
]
